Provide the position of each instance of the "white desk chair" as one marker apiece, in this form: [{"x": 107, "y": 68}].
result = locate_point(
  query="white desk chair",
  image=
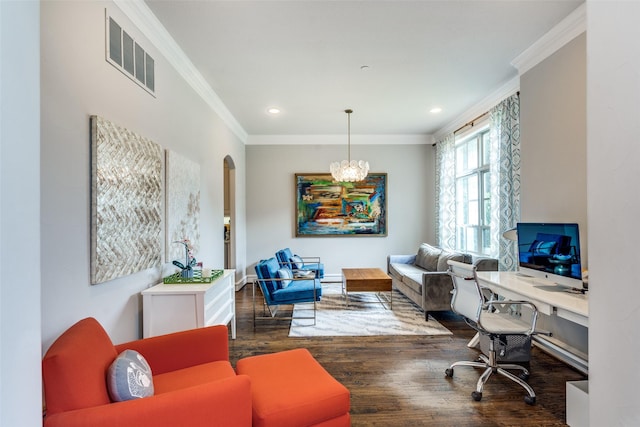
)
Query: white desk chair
[{"x": 499, "y": 328}]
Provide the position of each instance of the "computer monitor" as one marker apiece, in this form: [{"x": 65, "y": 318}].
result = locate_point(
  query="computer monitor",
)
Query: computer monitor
[{"x": 550, "y": 251}]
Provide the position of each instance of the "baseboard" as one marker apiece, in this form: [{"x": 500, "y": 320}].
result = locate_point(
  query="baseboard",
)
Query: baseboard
[
  {"x": 564, "y": 352},
  {"x": 240, "y": 283}
]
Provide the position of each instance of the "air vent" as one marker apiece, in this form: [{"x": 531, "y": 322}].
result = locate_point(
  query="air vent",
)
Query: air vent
[{"x": 124, "y": 53}]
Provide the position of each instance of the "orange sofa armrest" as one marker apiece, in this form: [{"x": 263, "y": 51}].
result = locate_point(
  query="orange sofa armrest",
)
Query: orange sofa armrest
[
  {"x": 178, "y": 350},
  {"x": 226, "y": 403}
]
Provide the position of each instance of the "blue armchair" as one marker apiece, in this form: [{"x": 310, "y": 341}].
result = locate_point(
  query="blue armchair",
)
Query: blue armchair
[
  {"x": 279, "y": 287},
  {"x": 297, "y": 263}
]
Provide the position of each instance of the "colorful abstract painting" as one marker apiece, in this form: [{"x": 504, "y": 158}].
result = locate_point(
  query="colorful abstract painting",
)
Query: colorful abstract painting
[{"x": 325, "y": 207}]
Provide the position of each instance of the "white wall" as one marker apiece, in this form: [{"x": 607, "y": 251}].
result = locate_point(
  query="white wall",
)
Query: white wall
[
  {"x": 613, "y": 109},
  {"x": 20, "y": 395},
  {"x": 78, "y": 82},
  {"x": 554, "y": 155},
  {"x": 271, "y": 203},
  {"x": 553, "y": 139}
]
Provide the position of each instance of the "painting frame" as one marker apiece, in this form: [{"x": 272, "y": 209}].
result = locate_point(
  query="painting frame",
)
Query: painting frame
[{"x": 328, "y": 208}]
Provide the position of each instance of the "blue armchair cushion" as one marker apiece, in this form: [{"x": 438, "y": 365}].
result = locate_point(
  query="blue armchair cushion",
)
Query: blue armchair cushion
[
  {"x": 266, "y": 270},
  {"x": 284, "y": 257},
  {"x": 297, "y": 291},
  {"x": 284, "y": 274}
]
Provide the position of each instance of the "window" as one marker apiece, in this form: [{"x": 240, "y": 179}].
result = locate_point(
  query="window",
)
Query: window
[
  {"x": 473, "y": 193},
  {"x": 478, "y": 184}
]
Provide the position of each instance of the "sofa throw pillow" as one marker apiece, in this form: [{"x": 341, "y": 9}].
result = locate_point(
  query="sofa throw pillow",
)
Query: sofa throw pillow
[
  {"x": 446, "y": 256},
  {"x": 296, "y": 262},
  {"x": 129, "y": 377},
  {"x": 427, "y": 257},
  {"x": 285, "y": 275}
]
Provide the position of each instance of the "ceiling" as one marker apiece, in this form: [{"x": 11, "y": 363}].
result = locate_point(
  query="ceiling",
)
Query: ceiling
[{"x": 305, "y": 57}]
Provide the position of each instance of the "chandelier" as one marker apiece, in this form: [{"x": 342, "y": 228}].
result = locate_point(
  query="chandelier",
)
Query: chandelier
[{"x": 349, "y": 170}]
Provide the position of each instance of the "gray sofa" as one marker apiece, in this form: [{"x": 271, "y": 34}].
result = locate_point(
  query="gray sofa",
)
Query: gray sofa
[{"x": 422, "y": 276}]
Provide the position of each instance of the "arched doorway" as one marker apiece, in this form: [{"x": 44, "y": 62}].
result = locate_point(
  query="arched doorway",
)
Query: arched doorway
[{"x": 229, "y": 211}]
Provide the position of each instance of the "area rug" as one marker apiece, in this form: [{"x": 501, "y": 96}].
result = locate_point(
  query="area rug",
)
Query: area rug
[{"x": 365, "y": 316}]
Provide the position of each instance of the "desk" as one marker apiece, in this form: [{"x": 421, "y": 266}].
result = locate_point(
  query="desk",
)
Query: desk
[{"x": 549, "y": 299}]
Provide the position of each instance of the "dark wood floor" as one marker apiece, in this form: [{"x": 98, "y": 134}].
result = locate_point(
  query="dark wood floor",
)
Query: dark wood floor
[{"x": 400, "y": 381}]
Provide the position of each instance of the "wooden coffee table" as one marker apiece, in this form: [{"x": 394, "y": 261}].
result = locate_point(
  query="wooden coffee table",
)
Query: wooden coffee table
[{"x": 366, "y": 280}]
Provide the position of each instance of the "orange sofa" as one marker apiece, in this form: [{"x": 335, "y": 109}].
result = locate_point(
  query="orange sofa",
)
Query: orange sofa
[{"x": 195, "y": 385}]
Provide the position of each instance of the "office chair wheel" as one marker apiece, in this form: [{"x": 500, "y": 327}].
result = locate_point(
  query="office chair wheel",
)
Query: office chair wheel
[
  {"x": 476, "y": 396},
  {"x": 449, "y": 372},
  {"x": 529, "y": 400},
  {"x": 523, "y": 376}
]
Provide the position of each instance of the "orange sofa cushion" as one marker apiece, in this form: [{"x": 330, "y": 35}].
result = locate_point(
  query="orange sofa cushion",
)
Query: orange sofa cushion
[
  {"x": 224, "y": 403},
  {"x": 86, "y": 350},
  {"x": 290, "y": 389},
  {"x": 166, "y": 353},
  {"x": 195, "y": 375}
]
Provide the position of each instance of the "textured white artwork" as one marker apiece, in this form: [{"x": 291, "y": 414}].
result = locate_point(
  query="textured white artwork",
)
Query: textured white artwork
[
  {"x": 183, "y": 205},
  {"x": 126, "y": 202}
]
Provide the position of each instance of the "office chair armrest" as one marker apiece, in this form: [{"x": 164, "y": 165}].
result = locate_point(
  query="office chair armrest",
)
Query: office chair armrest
[
  {"x": 512, "y": 302},
  {"x": 534, "y": 310}
]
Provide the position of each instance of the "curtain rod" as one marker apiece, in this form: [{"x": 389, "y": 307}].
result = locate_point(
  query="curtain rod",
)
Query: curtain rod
[{"x": 471, "y": 122}]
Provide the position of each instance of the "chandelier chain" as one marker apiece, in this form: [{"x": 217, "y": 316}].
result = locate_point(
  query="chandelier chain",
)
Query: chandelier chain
[{"x": 348, "y": 170}]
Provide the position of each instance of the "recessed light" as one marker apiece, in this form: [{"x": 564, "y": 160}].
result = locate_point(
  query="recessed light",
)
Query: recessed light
[
  {"x": 273, "y": 110},
  {"x": 435, "y": 110}
]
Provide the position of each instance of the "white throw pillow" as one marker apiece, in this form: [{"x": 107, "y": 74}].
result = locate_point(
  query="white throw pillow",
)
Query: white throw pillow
[{"x": 285, "y": 275}]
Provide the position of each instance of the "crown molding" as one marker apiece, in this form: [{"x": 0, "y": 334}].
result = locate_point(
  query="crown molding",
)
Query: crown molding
[
  {"x": 569, "y": 28},
  {"x": 339, "y": 139},
  {"x": 143, "y": 18},
  {"x": 487, "y": 103}
]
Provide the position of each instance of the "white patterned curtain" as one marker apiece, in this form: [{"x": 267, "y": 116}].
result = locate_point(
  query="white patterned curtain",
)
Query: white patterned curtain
[
  {"x": 505, "y": 171},
  {"x": 446, "y": 192}
]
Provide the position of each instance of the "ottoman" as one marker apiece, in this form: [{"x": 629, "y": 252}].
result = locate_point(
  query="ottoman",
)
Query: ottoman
[{"x": 290, "y": 388}]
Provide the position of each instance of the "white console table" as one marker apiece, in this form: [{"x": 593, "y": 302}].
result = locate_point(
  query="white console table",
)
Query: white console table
[
  {"x": 549, "y": 299},
  {"x": 177, "y": 307}
]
